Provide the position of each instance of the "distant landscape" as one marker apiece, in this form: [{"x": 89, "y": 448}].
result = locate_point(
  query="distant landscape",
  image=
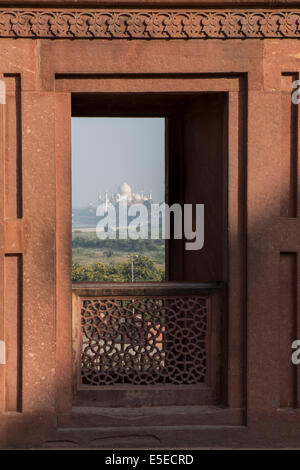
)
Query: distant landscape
[
  {"x": 110, "y": 260},
  {"x": 113, "y": 160}
]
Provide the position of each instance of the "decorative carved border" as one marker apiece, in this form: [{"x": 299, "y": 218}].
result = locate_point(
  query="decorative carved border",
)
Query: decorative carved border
[{"x": 154, "y": 24}]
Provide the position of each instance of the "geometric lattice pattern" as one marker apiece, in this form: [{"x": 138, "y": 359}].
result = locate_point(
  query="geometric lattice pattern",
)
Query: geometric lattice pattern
[{"x": 148, "y": 340}]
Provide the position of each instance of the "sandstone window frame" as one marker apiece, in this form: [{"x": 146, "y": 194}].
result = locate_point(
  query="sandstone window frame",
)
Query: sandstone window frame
[
  {"x": 65, "y": 84},
  {"x": 186, "y": 114}
]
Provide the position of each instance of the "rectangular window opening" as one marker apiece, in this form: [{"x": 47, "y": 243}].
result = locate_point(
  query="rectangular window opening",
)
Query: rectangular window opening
[{"x": 118, "y": 174}]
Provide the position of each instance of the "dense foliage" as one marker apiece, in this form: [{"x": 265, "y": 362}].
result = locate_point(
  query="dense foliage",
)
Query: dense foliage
[
  {"x": 117, "y": 244},
  {"x": 144, "y": 270}
]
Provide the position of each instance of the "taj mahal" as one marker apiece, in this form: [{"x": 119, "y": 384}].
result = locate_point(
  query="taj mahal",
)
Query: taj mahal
[{"x": 125, "y": 192}]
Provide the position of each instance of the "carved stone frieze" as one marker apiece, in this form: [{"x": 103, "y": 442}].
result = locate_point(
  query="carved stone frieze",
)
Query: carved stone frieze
[{"x": 146, "y": 24}]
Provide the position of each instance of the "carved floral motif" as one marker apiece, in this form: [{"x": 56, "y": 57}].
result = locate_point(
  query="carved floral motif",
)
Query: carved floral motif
[{"x": 156, "y": 24}]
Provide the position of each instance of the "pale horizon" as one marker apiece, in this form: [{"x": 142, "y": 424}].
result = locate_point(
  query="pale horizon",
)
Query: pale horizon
[{"x": 120, "y": 150}]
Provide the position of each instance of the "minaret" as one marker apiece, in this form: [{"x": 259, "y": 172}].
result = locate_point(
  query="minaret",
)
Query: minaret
[{"x": 106, "y": 201}]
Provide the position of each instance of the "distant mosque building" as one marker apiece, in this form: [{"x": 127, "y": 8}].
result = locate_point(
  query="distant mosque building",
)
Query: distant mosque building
[{"x": 125, "y": 193}]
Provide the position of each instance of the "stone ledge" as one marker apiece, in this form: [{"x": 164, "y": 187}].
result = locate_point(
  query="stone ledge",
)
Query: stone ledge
[{"x": 103, "y": 417}]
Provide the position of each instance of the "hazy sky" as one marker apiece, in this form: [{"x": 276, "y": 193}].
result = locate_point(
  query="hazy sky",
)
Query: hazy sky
[{"x": 108, "y": 151}]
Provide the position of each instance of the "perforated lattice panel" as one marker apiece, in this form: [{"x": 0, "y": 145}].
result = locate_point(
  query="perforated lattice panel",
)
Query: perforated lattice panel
[{"x": 149, "y": 340}]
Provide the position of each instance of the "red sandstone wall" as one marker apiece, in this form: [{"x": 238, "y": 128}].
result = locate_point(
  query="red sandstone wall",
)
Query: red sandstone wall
[{"x": 263, "y": 388}]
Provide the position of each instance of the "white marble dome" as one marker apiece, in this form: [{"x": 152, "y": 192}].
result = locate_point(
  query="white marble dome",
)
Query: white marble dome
[{"x": 124, "y": 189}]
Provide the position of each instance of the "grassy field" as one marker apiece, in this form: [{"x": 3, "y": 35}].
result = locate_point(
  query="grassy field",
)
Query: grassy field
[{"x": 88, "y": 249}]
